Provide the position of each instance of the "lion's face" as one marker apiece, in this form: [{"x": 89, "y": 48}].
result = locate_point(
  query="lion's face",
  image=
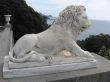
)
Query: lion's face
[
  {"x": 74, "y": 18},
  {"x": 82, "y": 19}
]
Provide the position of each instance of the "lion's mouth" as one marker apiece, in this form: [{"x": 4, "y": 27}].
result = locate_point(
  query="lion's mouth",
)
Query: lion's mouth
[{"x": 83, "y": 28}]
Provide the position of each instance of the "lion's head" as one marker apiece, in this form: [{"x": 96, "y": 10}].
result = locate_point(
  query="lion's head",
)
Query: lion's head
[{"x": 74, "y": 18}]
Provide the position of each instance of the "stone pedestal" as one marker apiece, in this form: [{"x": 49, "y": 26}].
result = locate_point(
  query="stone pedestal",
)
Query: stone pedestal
[{"x": 30, "y": 68}]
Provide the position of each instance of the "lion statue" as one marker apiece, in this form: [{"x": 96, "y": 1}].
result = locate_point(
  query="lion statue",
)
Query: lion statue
[{"x": 61, "y": 37}]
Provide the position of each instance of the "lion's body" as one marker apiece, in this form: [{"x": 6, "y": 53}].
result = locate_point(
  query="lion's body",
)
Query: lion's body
[
  {"x": 62, "y": 35},
  {"x": 44, "y": 42}
]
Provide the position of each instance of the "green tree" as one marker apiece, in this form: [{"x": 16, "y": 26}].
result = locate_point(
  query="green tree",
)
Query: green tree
[
  {"x": 108, "y": 54},
  {"x": 93, "y": 43},
  {"x": 103, "y": 51},
  {"x": 24, "y": 19}
]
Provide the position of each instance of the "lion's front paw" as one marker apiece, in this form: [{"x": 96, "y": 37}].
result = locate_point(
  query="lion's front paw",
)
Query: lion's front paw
[
  {"x": 88, "y": 54},
  {"x": 85, "y": 54}
]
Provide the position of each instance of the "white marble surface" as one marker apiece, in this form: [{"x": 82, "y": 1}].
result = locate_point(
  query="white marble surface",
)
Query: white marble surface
[
  {"x": 23, "y": 72},
  {"x": 60, "y": 37}
]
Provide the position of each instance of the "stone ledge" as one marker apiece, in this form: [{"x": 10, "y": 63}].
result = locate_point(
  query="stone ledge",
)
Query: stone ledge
[
  {"x": 99, "y": 74},
  {"x": 55, "y": 61}
]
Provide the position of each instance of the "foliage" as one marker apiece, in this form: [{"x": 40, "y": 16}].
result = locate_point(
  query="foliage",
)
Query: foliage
[
  {"x": 93, "y": 43},
  {"x": 108, "y": 54},
  {"x": 98, "y": 44},
  {"x": 24, "y": 19},
  {"x": 104, "y": 52}
]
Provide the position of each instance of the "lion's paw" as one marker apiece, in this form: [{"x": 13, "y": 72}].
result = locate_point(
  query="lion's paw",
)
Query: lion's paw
[
  {"x": 85, "y": 54},
  {"x": 88, "y": 54}
]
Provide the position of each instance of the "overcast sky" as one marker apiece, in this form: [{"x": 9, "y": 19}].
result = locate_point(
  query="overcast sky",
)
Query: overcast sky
[{"x": 96, "y": 9}]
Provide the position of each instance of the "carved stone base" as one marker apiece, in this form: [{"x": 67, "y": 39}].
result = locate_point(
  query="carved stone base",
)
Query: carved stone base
[{"x": 20, "y": 70}]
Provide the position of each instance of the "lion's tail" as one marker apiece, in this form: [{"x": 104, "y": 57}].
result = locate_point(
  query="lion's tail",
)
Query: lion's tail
[{"x": 20, "y": 60}]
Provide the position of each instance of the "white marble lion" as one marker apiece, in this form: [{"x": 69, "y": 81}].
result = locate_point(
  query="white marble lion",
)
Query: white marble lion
[{"x": 59, "y": 38}]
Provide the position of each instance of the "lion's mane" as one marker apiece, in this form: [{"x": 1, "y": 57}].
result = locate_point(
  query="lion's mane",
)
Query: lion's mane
[{"x": 67, "y": 19}]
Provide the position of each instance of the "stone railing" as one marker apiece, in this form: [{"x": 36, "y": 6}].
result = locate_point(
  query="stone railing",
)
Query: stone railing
[{"x": 6, "y": 38}]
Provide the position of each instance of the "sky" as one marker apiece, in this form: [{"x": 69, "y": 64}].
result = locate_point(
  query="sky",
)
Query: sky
[{"x": 96, "y": 9}]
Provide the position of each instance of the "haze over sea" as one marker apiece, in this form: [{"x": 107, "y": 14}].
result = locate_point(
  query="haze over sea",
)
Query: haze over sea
[{"x": 97, "y": 27}]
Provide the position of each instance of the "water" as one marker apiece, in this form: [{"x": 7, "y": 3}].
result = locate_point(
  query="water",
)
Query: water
[{"x": 96, "y": 27}]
